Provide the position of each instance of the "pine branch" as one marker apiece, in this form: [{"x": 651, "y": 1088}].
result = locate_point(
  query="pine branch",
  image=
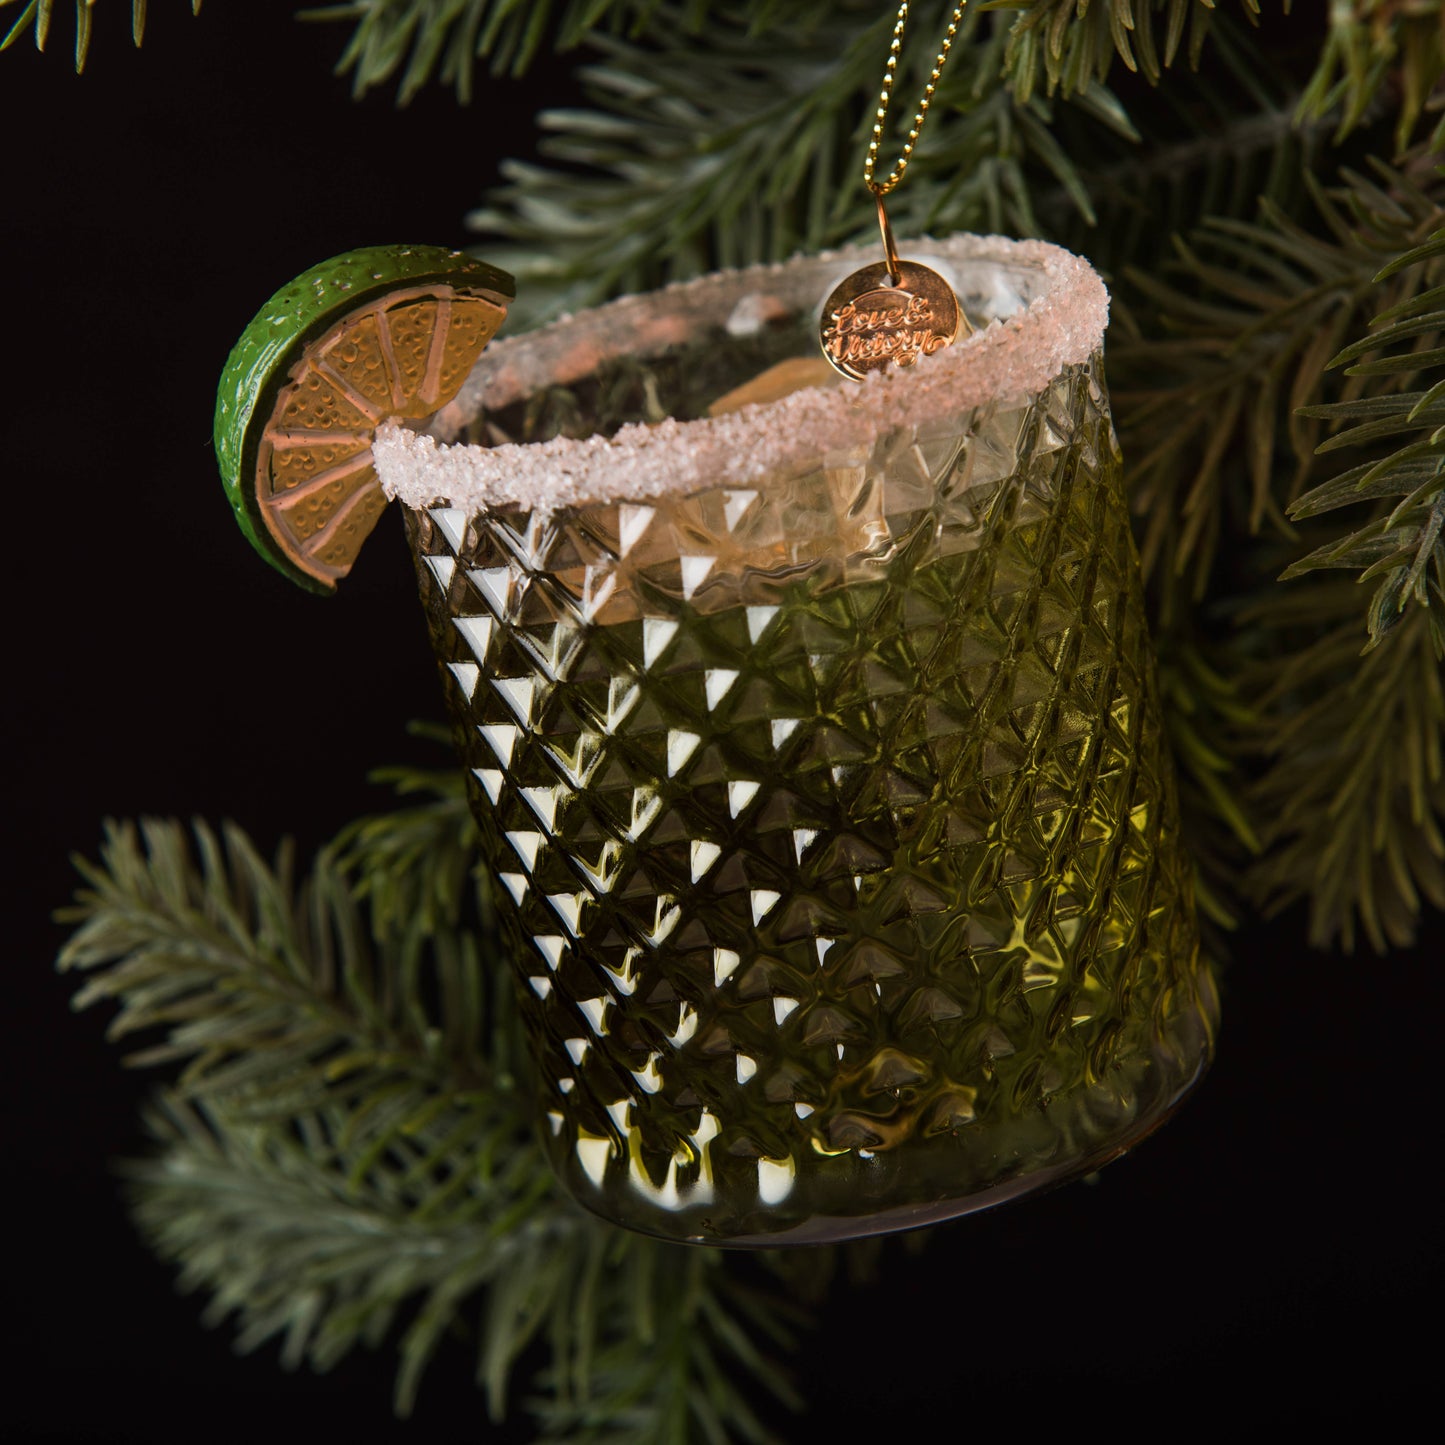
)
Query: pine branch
[
  {"x": 731, "y": 146},
  {"x": 262, "y": 988},
  {"x": 1209, "y": 144},
  {"x": 296, "y": 1231},
  {"x": 348, "y": 1156},
  {"x": 1215, "y": 414},
  {"x": 1217, "y": 448},
  {"x": 1069, "y": 44},
  {"x": 419, "y": 866},
  {"x": 37, "y": 16},
  {"x": 1402, "y": 545},
  {"x": 1373, "y": 47},
  {"x": 701, "y": 1329},
  {"x": 422, "y": 40},
  {"x": 1205, "y": 716},
  {"x": 1355, "y": 790},
  {"x": 1354, "y": 783},
  {"x": 741, "y": 142},
  {"x": 269, "y": 1222}
]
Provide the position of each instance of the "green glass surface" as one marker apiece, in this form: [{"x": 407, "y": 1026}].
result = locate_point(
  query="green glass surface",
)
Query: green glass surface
[{"x": 833, "y": 826}]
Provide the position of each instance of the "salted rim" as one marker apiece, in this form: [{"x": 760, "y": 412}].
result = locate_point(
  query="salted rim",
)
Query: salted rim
[{"x": 1009, "y": 359}]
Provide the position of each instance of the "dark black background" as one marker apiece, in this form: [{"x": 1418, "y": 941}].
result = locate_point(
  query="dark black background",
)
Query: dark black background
[{"x": 1272, "y": 1257}]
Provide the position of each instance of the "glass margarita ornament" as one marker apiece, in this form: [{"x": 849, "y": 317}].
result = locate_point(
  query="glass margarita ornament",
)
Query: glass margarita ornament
[{"x": 812, "y": 732}]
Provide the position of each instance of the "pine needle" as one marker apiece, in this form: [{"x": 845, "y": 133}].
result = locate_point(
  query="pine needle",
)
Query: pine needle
[{"x": 37, "y": 15}]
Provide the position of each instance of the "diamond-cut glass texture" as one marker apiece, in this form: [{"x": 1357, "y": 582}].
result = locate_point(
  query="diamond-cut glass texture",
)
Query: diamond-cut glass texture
[{"x": 833, "y": 827}]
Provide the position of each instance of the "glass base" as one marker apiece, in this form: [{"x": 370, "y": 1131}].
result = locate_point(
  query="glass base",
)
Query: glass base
[{"x": 857, "y": 1193}]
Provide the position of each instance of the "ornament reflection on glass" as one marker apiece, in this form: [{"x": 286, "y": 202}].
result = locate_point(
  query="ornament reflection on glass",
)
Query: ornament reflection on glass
[{"x": 812, "y": 731}]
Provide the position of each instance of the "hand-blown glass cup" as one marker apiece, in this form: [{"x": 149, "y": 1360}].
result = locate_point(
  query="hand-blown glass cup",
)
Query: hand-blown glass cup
[{"x": 816, "y": 751}]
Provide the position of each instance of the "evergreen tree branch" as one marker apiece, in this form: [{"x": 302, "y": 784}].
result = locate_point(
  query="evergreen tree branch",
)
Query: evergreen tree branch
[
  {"x": 1067, "y": 45},
  {"x": 1402, "y": 544},
  {"x": 1374, "y": 46},
  {"x": 1225, "y": 419},
  {"x": 256, "y": 985},
  {"x": 700, "y": 1329},
  {"x": 1353, "y": 746},
  {"x": 37, "y": 15},
  {"x": 419, "y": 866},
  {"x": 740, "y": 142},
  {"x": 730, "y": 146},
  {"x": 1216, "y": 407},
  {"x": 294, "y": 1230},
  {"x": 1354, "y": 790},
  {"x": 1070, "y": 44},
  {"x": 1205, "y": 714},
  {"x": 348, "y": 1155},
  {"x": 269, "y": 1220},
  {"x": 422, "y": 40},
  {"x": 1210, "y": 144}
]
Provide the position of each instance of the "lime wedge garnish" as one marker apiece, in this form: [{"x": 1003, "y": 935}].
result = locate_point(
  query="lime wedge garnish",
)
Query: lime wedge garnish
[{"x": 382, "y": 334}]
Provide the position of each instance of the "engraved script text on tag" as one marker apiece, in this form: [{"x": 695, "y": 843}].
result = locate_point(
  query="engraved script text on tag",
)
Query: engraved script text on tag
[{"x": 883, "y": 325}]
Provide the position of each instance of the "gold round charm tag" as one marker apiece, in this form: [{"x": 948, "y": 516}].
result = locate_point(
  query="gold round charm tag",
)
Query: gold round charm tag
[
  {"x": 893, "y": 312},
  {"x": 870, "y": 321}
]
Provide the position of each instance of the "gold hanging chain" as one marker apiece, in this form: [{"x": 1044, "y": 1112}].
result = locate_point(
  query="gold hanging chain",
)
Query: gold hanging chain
[
  {"x": 894, "y": 311},
  {"x": 880, "y": 189}
]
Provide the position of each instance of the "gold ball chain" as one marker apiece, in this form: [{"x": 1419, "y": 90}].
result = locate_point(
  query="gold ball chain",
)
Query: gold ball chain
[{"x": 886, "y": 94}]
